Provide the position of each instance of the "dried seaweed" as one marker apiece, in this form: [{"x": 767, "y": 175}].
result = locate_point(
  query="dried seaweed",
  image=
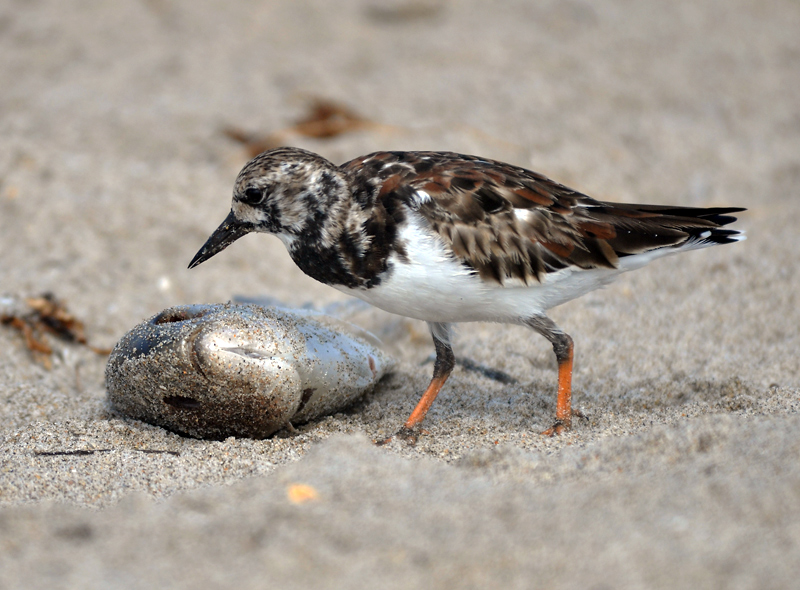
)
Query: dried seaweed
[
  {"x": 47, "y": 315},
  {"x": 325, "y": 119}
]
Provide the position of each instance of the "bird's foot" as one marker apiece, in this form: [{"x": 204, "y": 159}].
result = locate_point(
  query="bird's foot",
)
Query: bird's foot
[
  {"x": 557, "y": 428},
  {"x": 409, "y": 435},
  {"x": 563, "y": 424}
]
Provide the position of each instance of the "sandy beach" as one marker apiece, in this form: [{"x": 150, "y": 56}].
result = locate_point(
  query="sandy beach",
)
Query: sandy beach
[{"x": 117, "y": 162}]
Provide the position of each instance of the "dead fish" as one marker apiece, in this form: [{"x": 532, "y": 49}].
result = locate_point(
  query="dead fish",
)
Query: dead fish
[{"x": 213, "y": 371}]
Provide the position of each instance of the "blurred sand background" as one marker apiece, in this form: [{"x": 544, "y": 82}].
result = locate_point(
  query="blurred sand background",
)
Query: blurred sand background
[{"x": 114, "y": 169}]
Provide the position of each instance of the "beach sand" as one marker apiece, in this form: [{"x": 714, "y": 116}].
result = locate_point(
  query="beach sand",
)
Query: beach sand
[{"x": 115, "y": 168}]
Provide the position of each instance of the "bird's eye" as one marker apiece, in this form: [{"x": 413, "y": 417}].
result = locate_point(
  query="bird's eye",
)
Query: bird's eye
[{"x": 252, "y": 196}]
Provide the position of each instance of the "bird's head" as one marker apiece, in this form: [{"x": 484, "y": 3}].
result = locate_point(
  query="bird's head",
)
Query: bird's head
[{"x": 285, "y": 191}]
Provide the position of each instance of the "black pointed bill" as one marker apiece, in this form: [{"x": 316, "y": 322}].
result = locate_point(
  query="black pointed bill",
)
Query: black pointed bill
[{"x": 226, "y": 234}]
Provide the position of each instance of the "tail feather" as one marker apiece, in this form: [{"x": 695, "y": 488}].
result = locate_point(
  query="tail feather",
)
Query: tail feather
[
  {"x": 644, "y": 228},
  {"x": 718, "y": 236}
]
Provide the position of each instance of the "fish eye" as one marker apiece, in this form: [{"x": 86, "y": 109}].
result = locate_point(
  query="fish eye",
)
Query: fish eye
[{"x": 252, "y": 196}]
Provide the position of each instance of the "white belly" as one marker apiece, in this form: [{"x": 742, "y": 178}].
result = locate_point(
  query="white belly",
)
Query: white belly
[{"x": 433, "y": 286}]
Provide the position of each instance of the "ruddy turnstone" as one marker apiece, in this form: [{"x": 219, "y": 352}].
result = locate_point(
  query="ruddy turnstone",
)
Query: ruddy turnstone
[{"x": 445, "y": 238}]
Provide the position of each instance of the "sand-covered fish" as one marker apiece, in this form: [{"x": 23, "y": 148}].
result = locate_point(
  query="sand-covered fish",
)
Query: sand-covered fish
[{"x": 213, "y": 371}]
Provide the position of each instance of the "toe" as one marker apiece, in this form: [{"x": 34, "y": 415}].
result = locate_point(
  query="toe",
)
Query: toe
[
  {"x": 557, "y": 428},
  {"x": 409, "y": 435}
]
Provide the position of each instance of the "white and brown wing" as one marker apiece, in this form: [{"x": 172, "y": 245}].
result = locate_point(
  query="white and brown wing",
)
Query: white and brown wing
[{"x": 508, "y": 222}]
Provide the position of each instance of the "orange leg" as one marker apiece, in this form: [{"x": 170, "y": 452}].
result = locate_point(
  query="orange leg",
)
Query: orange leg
[
  {"x": 443, "y": 366},
  {"x": 418, "y": 415},
  {"x": 562, "y": 346},
  {"x": 564, "y": 401}
]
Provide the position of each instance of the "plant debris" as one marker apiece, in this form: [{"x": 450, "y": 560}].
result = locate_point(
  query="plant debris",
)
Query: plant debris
[
  {"x": 325, "y": 119},
  {"x": 87, "y": 452},
  {"x": 408, "y": 12},
  {"x": 44, "y": 315}
]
